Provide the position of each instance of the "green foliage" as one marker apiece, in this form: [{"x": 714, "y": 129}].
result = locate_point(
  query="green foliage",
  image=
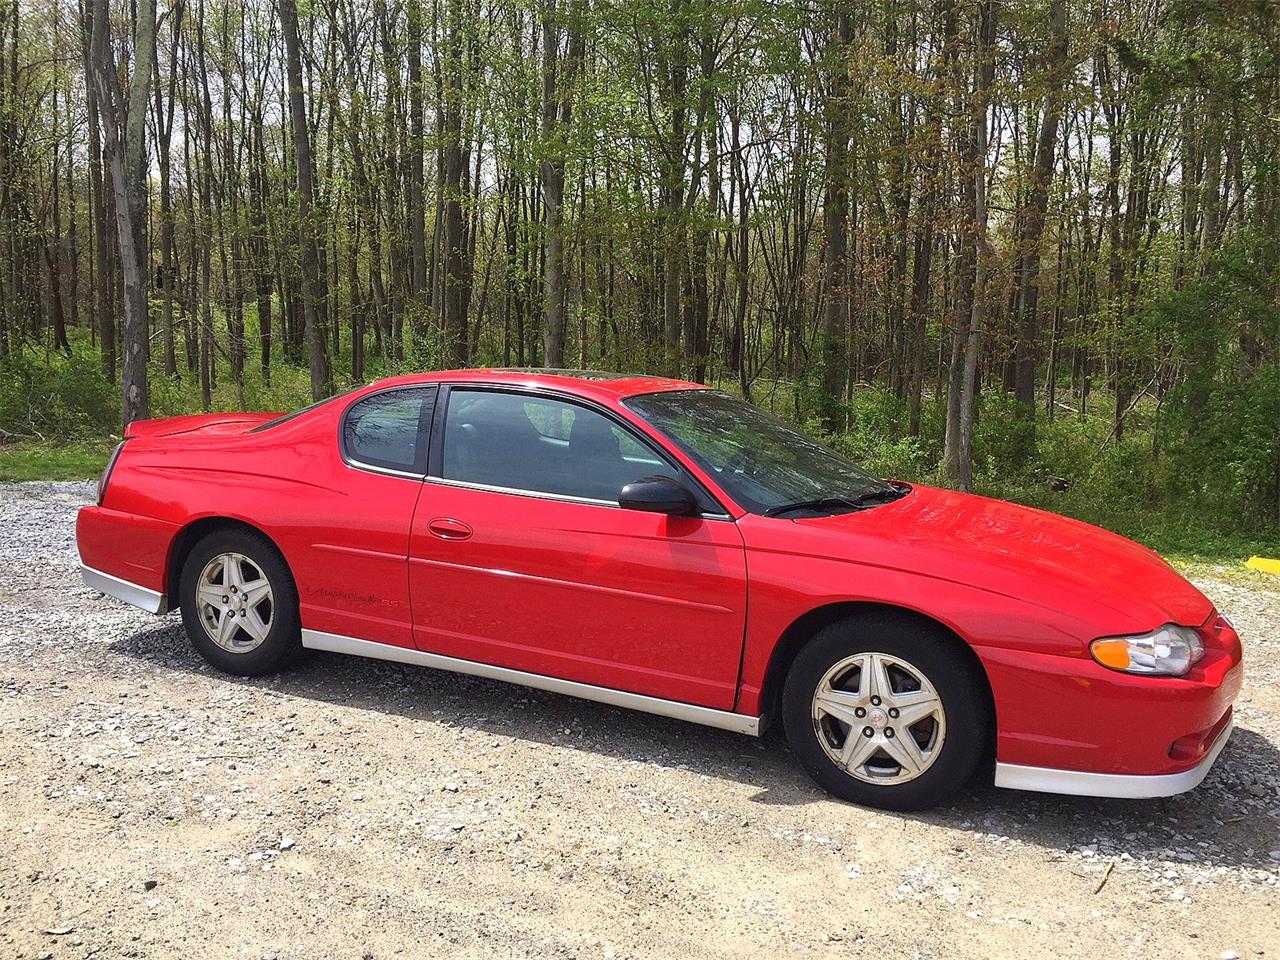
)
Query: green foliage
[
  {"x": 875, "y": 439},
  {"x": 1193, "y": 508},
  {"x": 1221, "y": 433},
  {"x": 1000, "y": 439},
  {"x": 1190, "y": 477},
  {"x": 49, "y": 395}
]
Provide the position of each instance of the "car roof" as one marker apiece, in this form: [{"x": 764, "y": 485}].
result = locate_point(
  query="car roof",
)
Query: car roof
[{"x": 588, "y": 383}]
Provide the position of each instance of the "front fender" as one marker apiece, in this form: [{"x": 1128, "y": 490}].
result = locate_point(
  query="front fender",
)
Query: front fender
[{"x": 792, "y": 573}]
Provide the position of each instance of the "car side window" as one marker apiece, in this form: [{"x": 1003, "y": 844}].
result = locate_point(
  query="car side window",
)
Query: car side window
[
  {"x": 541, "y": 445},
  {"x": 388, "y": 429}
]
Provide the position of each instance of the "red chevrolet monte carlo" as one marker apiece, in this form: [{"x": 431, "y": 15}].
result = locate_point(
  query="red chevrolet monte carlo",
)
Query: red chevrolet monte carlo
[{"x": 659, "y": 545}]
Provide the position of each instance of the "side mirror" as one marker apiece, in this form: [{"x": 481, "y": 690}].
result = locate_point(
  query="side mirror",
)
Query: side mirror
[{"x": 658, "y": 495}]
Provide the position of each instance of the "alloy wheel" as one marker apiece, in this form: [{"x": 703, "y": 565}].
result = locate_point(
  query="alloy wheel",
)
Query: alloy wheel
[
  {"x": 234, "y": 602},
  {"x": 879, "y": 718}
]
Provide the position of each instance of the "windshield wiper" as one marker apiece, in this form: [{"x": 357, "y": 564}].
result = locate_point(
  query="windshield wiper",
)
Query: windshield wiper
[
  {"x": 880, "y": 496},
  {"x": 853, "y": 502},
  {"x": 820, "y": 503}
]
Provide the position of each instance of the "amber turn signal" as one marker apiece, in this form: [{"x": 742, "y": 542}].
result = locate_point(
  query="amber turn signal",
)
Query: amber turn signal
[{"x": 1113, "y": 653}]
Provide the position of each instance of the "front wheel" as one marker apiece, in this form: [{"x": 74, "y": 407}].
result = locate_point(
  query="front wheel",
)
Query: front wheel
[
  {"x": 239, "y": 603},
  {"x": 885, "y": 713}
]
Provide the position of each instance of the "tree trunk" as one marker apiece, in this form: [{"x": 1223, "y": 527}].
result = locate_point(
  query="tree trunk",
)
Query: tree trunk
[
  {"x": 124, "y": 128},
  {"x": 104, "y": 302},
  {"x": 417, "y": 237},
  {"x": 315, "y": 297},
  {"x": 53, "y": 248},
  {"x": 1026, "y": 349},
  {"x": 164, "y": 133},
  {"x": 557, "y": 111},
  {"x": 964, "y": 380},
  {"x": 673, "y": 186},
  {"x": 457, "y": 273},
  {"x": 836, "y": 211}
]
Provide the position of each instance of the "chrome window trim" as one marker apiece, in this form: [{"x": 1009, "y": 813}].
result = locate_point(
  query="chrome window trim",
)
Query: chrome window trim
[
  {"x": 707, "y": 716},
  {"x": 538, "y": 494},
  {"x": 139, "y": 596},
  {"x": 1080, "y": 783},
  {"x": 543, "y": 495},
  {"x": 386, "y": 471}
]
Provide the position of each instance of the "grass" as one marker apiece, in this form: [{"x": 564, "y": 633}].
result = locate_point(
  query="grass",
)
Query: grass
[
  {"x": 43, "y": 460},
  {"x": 1182, "y": 535}
]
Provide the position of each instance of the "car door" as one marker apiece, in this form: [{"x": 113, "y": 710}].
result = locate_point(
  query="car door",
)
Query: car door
[
  {"x": 350, "y": 533},
  {"x": 520, "y": 555}
]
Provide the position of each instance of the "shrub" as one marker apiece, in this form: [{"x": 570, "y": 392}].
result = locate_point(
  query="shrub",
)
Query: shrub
[{"x": 56, "y": 397}]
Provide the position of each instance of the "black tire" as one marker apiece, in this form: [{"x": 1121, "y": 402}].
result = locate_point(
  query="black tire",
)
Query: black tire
[
  {"x": 282, "y": 645},
  {"x": 936, "y": 654}
]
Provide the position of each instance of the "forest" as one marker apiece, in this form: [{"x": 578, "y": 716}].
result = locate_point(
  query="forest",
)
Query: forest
[{"x": 1027, "y": 247}]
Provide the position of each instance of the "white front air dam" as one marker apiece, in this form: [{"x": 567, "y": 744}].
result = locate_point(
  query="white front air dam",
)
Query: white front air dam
[{"x": 1127, "y": 786}]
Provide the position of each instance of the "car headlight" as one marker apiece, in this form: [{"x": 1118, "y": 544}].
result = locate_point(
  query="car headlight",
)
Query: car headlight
[{"x": 1168, "y": 651}]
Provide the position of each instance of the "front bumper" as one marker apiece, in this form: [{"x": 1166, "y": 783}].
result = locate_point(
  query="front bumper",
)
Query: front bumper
[
  {"x": 1131, "y": 786},
  {"x": 1070, "y": 725},
  {"x": 141, "y": 597}
]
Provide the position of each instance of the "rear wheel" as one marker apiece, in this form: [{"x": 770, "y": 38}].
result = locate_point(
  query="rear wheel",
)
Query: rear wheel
[
  {"x": 239, "y": 603},
  {"x": 886, "y": 713}
]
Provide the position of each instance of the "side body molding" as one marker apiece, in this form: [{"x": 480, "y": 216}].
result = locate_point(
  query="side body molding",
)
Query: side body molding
[{"x": 720, "y": 719}]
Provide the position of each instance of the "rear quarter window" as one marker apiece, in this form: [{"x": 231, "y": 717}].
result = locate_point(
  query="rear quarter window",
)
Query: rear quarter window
[{"x": 390, "y": 429}]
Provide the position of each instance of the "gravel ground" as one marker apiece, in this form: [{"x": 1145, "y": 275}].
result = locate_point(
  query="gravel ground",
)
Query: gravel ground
[{"x": 150, "y": 807}]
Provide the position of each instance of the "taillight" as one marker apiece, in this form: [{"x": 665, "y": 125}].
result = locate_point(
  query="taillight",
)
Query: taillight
[{"x": 106, "y": 473}]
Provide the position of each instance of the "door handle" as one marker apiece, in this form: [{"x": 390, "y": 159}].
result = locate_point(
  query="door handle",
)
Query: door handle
[{"x": 448, "y": 529}]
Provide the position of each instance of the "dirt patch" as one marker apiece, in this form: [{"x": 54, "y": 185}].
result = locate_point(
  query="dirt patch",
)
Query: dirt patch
[{"x": 150, "y": 807}]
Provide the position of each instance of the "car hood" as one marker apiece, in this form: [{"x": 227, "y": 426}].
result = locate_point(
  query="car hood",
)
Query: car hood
[
  {"x": 1021, "y": 552},
  {"x": 220, "y": 423}
]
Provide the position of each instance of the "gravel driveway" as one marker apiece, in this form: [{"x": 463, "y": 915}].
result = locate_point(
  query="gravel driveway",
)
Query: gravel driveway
[{"x": 150, "y": 807}]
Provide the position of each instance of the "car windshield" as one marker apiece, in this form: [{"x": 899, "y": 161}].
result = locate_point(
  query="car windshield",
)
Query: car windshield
[{"x": 762, "y": 463}]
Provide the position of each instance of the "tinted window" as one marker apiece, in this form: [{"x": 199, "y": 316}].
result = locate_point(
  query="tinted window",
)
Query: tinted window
[
  {"x": 759, "y": 460},
  {"x": 387, "y": 429},
  {"x": 524, "y": 442}
]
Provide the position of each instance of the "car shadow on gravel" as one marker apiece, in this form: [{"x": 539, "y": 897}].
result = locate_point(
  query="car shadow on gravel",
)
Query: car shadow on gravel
[{"x": 1220, "y": 824}]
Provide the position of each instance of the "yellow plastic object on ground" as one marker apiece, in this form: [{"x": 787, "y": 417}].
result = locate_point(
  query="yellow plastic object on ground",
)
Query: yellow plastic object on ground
[{"x": 1265, "y": 564}]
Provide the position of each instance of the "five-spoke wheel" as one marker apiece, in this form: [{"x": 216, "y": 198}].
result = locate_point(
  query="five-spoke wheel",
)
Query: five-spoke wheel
[
  {"x": 879, "y": 718},
  {"x": 886, "y": 711},
  {"x": 234, "y": 598},
  {"x": 239, "y": 603}
]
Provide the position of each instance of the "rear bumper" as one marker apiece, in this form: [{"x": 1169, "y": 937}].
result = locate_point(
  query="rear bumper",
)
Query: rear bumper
[
  {"x": 124, "y": 555},
  {"x": 1132, "y": 786},
  {"x": 145, "y": 599}
]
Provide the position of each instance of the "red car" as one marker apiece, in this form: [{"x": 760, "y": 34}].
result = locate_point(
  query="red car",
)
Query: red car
[{"x": 663, "y": 546}]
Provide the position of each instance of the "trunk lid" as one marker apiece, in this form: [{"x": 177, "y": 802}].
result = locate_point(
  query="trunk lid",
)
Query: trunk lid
[{"x": 220, "y": 424}]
